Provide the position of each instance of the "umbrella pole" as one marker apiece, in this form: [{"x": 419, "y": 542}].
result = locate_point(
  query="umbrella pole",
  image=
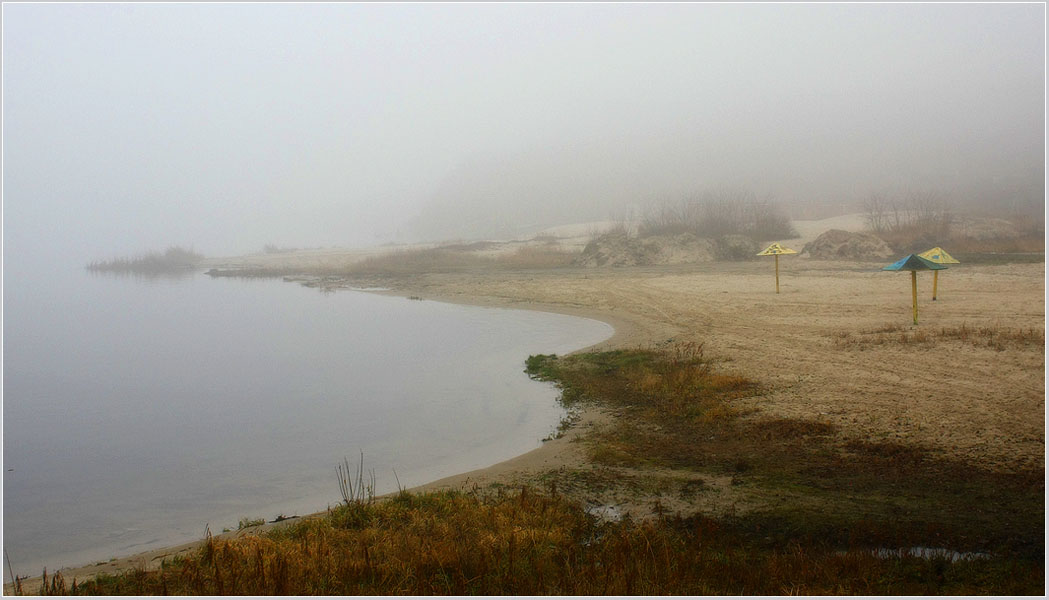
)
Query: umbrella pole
[
  {"x": 777, "y": 273},
  {"x": 935, "y": 276},
  {"x": 914, "y": 294}
]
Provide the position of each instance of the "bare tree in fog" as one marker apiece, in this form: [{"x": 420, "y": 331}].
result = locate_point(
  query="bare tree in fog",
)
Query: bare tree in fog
[
  {"x": 918, "y": 212},
  {"x": 717, "y": 213}
]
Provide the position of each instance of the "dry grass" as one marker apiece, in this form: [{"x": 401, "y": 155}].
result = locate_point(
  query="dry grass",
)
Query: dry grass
[
  {"x": 988, "y": 336},
  {"x": 454, "y": 543}
]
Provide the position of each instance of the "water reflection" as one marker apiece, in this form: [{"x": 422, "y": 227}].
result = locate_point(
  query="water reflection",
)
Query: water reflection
[
  {"x": 146, "y": 275},
  {"x": 160, "y": 408}
]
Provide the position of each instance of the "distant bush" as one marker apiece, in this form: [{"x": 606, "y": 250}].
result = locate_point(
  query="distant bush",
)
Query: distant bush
[
  {"x": 917, "y": 220},
  {"x": 720, "y": 213},
  {"x": 275, "y": 249},
  {"x": 174, "y": 258},
  {"x": 245, "y": 522},
  {"x": 909, "y": 222}
]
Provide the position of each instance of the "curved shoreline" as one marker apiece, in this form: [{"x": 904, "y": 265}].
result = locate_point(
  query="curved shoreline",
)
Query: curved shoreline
[
  {"x": 988, "y": 413},
  {"x": 552, "y": 453}
]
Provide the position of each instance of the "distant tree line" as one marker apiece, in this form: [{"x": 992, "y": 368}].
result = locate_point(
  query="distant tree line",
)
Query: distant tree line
[{"x": 174, "y": 258}]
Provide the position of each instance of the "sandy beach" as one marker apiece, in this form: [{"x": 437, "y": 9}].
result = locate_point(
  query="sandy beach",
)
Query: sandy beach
[{"x": 824, "y": 349}]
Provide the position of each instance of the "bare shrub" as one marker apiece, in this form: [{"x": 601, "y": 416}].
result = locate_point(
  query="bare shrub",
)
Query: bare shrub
[
  {"x": 911, "y": 221},
  {"x": 719, "y": 213}
]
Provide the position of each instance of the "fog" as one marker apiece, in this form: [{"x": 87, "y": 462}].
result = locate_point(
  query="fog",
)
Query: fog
[{"x": 227, "y": 127}]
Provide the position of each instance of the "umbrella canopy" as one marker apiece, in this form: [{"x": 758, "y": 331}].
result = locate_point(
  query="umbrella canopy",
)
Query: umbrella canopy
[
  {"x": 913, "y": 262},
  {"x": 776, "y": 249},
  {"x": 939, "y": 256}
]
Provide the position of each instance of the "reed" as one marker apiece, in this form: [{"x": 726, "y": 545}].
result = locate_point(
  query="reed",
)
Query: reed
[{"x": 352, "y": 486}]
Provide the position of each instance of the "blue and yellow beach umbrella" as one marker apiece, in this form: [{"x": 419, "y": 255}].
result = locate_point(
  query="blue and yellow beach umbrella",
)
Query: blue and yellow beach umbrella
[
  {"x": 914, "y": 263},
  {"x": 939, "y": 256},
  {"x": 775, "y": 250}
]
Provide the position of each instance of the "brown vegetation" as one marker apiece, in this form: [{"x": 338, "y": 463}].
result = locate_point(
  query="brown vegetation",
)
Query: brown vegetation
[
  {"x": 453, "y": 543},
  {"x": 996, "y": 337}
]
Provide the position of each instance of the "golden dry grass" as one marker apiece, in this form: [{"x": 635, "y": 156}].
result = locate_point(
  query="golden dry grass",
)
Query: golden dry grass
[{"x": 528, "y": 543}]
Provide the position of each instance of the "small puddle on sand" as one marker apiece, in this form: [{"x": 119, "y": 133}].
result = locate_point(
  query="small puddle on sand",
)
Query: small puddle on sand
[
  {"x": 605, "y": 512},
  {"x": 927, "y": 553}
]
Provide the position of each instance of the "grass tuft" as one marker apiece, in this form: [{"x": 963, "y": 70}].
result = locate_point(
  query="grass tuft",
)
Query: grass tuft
[{"x": 245, "y": 522}]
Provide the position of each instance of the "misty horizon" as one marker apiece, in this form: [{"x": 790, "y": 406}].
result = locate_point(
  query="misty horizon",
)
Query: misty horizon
[{"x": 129, "y": 128}]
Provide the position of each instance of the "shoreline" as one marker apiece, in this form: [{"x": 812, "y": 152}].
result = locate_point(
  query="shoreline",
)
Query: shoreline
[
  {"x": 552, "y": 453},
  {"x": 985, "y": 408}
]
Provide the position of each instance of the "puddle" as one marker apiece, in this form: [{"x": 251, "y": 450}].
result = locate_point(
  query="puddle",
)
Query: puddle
[
  {"x": 605, "y": 512},
  {"x": 928, "y": 553}
]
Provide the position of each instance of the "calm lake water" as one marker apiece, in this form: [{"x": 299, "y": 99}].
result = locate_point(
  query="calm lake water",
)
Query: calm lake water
[{"x": 137, "y": 411}]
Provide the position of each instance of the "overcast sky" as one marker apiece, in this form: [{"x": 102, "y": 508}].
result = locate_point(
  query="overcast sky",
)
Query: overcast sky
[{"x": 225, "y": 127}]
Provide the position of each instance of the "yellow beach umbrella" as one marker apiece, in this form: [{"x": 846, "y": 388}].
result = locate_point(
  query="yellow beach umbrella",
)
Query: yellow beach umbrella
[
  {"x": 939, "y": 256},
  {"x": 775, "y": 250},
  {"x": 913, "y": 263}
]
